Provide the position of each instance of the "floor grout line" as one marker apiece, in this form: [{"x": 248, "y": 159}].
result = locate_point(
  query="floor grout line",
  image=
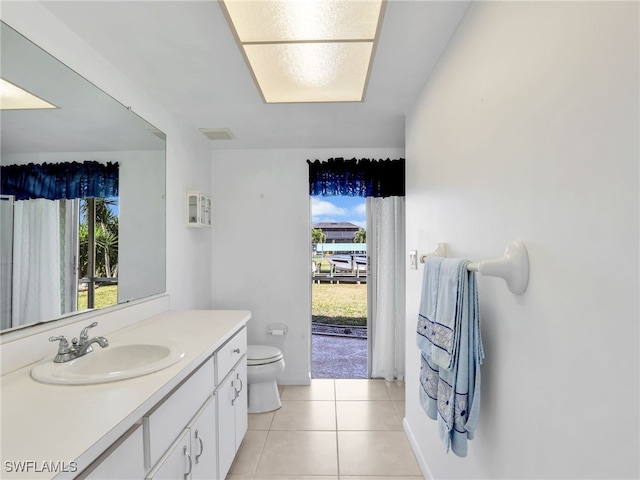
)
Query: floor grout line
[{"x": 335, "y": 408}]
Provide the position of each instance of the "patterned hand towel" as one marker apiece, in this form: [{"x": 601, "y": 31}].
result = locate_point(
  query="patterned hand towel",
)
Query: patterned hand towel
[
  {"x": 452, "y": 395},
  {"x": 440, "y": 308},
  {"x": 428, "y": 302}
]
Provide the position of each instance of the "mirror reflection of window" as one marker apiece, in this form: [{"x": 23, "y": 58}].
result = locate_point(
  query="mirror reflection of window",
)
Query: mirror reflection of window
[{"x": 98, "y": 283}]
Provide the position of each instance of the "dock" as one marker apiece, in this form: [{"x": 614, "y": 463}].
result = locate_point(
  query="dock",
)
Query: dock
[{"x": 339, "y": 278}]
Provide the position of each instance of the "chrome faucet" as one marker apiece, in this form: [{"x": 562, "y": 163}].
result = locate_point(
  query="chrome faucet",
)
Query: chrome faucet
[
  {"x": 86, "y": 348},
  {"x": 78, "y": 347}
]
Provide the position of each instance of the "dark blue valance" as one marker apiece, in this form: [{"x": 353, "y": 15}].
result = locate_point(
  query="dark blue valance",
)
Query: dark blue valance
[
  {"x": 357, "y": 178},
  {"x": 55, "y": 181}
]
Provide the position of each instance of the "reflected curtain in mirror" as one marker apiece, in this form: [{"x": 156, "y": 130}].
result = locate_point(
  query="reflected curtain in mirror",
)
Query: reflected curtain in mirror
[
  {"x": 44, "y": 211},
  {"x": 55, "y": 181},
  {"x": 36, "y": 261}
]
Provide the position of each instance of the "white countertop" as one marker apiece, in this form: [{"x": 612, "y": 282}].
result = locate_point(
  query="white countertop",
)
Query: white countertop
[{"x": 58, "y": 424}]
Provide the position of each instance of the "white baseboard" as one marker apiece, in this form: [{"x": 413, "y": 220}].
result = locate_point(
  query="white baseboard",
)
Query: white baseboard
[
  {"x": 294, "y": 380},
  {"x": 422, "y": 463}
]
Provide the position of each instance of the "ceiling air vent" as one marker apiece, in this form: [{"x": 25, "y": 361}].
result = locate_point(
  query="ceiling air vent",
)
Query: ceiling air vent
[{"x": 217, "y": 133}]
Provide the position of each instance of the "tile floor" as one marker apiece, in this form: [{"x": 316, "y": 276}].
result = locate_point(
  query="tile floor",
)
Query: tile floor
[{"x": 334, "y": 429}]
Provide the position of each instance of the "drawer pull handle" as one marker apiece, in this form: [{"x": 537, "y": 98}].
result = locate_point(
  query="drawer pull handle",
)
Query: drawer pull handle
[
  {"x": 235, "y": 392},
  {"x": 241, "y": 385},
  {"x": 188, "y": 455},
  {"x": 236, "y": 350},
  {"x": 201, "y": 447}
]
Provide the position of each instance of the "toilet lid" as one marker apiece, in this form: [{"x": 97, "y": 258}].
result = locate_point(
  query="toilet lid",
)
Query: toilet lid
[{"x": 261, "y": 354}]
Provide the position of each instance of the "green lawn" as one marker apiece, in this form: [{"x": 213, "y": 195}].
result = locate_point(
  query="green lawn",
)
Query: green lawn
[
  {"x": 339, "y": 304},
  {"x": 105, "y": 296},
  {"x": 322, "y": 264},
  {"x": 336, "y": 304}
]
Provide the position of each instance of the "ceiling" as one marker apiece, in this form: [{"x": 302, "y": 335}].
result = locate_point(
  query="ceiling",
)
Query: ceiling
[{"x": 184, "y": 55}]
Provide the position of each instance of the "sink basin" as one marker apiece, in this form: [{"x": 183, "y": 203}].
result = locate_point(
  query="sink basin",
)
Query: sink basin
[{"x": 109, "y": 364}]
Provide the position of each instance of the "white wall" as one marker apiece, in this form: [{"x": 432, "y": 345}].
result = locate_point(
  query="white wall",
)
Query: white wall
[
  {"x": 188, "y": 153},
  {"x": 528, "y": 130},
  {"x": 262, "y": 246}
]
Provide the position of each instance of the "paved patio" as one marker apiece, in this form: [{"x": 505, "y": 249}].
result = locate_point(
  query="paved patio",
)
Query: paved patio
[{"x": 338, "y": 356}]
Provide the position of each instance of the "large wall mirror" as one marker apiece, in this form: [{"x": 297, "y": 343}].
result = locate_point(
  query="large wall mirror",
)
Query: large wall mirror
[{"x": 62, "y": 256}]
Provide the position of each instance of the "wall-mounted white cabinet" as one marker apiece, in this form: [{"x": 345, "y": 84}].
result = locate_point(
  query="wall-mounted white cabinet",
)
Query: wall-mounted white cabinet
[{"x": 198, "y": 209}]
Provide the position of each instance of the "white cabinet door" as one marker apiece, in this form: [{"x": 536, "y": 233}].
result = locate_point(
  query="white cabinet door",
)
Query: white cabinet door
[
  {"x": 232, "y": 415},
  {"x": 241, "y": 403},
  {"x": 226, "y": 425},
  {"x": 203, "y": 442},
  {"x": 176, "y": 463},
  {"x": 193, "y": 455}
]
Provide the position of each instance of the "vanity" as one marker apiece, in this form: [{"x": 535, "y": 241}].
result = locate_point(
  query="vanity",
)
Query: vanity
[{"x": 186, "y": 420}]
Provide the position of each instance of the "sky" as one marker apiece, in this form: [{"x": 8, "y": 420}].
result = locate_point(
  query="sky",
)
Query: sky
[{"x": 339, "y": 209}]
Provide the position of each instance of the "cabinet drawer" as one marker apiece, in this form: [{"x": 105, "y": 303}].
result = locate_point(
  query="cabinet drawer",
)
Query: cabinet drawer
[
  {"x": 230, "y": 353},
  {"x": 123, "y": 460},
  {"x": 163, "y": 424}
]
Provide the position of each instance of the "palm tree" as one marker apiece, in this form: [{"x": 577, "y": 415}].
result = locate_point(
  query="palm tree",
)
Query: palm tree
[
  {"x": 360, "y": 236},
  {"x": 106, "y": 251},
  {"x": 318, "y": 236},
  {"x": 106, "y": 238}
]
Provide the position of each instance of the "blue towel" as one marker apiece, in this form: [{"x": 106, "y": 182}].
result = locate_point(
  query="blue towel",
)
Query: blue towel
[
  {"x": 440, "y": 312},
  {"x": 428, "y": 302},
  {"x": 451, "y": 394}
]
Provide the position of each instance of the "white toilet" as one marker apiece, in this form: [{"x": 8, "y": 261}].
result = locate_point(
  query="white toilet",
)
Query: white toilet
[{"x": 264, "y": 364}]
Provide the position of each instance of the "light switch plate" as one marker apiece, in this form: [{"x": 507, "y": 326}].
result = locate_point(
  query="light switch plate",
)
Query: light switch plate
[{"x": 413, "y": 259}]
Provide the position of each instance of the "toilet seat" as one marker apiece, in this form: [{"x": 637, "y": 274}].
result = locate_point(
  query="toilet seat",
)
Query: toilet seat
[{"x": 262, "y": 355}]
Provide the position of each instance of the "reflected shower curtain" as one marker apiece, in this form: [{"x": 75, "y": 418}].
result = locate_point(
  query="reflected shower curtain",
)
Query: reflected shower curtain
[
  {"x": 386, "y": 237},
  {"x": 36, "y": 261}
]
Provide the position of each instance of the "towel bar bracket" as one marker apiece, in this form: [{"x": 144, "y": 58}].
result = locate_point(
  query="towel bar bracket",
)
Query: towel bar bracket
[
  {"x": 441, "y": 251},
  {"x": 513, "y": 266}
]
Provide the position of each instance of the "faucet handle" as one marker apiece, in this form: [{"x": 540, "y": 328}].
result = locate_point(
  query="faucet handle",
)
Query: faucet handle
[
  {"x": 84, "y": 335},
  {"x": 63, "y": 348},
  {"x": 64, "y": 352}
]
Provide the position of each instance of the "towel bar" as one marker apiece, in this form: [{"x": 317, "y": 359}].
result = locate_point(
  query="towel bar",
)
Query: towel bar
[{"x": 513, "y": 266}]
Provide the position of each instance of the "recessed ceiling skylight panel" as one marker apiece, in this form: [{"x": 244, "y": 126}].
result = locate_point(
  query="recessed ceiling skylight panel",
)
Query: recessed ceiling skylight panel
[{"x": 307, "y": 50}]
